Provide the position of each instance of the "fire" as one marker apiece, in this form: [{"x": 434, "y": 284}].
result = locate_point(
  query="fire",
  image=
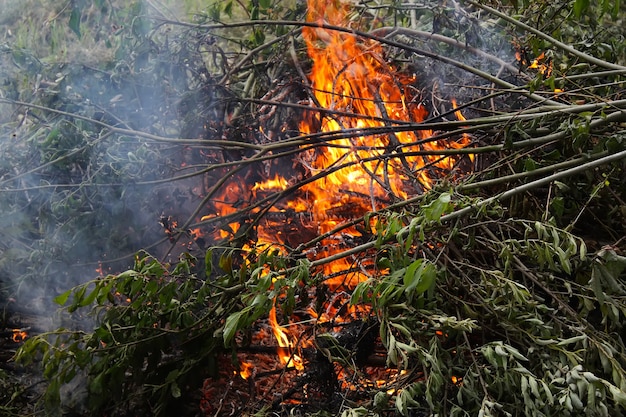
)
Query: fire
[
  {"x": 357, "y": 91},
  {"x": 100, "y": 269},
  {"x": 19, "y": 335},
  {"x": 196, "y": 233},
  {"x": 247, "y": 369},
  {"x": 279, "y": 183},
  {"x": 352, "y": 77},
  {"x": 356, "y": 171},
  {"x": 457, "y": 113},
  {"x": 285, "y": 354},
  {"x": 542, "y": 64}
]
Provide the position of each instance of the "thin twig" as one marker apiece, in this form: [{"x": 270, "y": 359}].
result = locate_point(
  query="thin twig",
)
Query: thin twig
[{"x": 550, "y": 39}]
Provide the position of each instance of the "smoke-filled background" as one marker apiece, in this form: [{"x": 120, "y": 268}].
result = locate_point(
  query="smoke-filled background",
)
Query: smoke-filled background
[{"x": 77, "y": 198}]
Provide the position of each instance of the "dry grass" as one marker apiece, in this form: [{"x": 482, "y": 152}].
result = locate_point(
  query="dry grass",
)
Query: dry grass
[{"x": 42, "y": 28}]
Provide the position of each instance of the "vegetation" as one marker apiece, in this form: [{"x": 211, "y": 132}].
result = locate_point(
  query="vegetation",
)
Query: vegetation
[{"x": 509, "y": 278}]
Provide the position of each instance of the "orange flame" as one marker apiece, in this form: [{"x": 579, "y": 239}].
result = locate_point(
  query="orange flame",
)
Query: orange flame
[
  {"x": 466, "y": 138},
  {"x": 357, "y": 91},
  {"x": 287, "y": 358},
  {"x": 366, "y": 162},
  {"x": 247, "y": 369},
  {"x": 19, "y": 335},
  {"x": 457, "y": 113},
  {"x": 542, "y": 64},
  {"x": 352, "y": 77},
  {"x": 277, "y": 182}
]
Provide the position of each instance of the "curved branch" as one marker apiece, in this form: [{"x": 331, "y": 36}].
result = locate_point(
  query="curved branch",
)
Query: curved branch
[
  {"x": 550, "y": 39},
  {"x": 387, "y": 32},
  {"x": 484, "y": 203}
]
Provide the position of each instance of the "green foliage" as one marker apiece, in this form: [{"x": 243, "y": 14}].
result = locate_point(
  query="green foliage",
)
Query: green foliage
[
  {"x": 144, "y": 315},
  {"x": 158, "y": 328},
  {"x": 471, "y": 297}
]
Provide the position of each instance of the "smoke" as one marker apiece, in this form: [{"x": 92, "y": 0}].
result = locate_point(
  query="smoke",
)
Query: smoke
[{"x": 76, "y": 199}]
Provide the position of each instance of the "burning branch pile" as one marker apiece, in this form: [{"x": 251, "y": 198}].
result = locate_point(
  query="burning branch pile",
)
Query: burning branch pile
[{"x": 373, "y": 219}]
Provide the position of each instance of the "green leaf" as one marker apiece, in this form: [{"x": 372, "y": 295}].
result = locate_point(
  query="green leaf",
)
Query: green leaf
[
  {"x": 579, "y": 7},
  {"x": 596, "y": 284},
  {"x": 360, "y": 293},
  {"x": 413, "y": 275},
  {"x": 62, "y": 298},
  {"x": 78, "y": 298},
  {"x": 52, "y": 396},
  {"x": 233, "y": 323},
  {"x": 515, "y": 353},
  {"x": 265, "y": 4},
  {"x": 175, "y": 390},
  {"x": 226, "y": 263},
  {"x": 530, "y": 165},
  {"x": 91, "y": 297},
  {"x": 571, "y": 340},
  {"x": 74, "y": 23},
  {"x": 254, "y": 13},
  {"x": 230, "y": 327},
  {"x": 437, "y": 208},
  {"x": 429, "y": 276},
  {"x": 96, "y": 386},
  {"x": 228, "y": 9}
]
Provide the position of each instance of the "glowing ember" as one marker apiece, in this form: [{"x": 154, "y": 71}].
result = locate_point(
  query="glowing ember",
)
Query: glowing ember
[
  {"x": 100, "y": 269},
  {"x": 196, "y": 233},
  {"x": 19, "y": 335}
]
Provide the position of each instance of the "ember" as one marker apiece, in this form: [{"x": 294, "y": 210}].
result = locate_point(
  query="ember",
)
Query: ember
[{"x": 19, "y": 335}]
